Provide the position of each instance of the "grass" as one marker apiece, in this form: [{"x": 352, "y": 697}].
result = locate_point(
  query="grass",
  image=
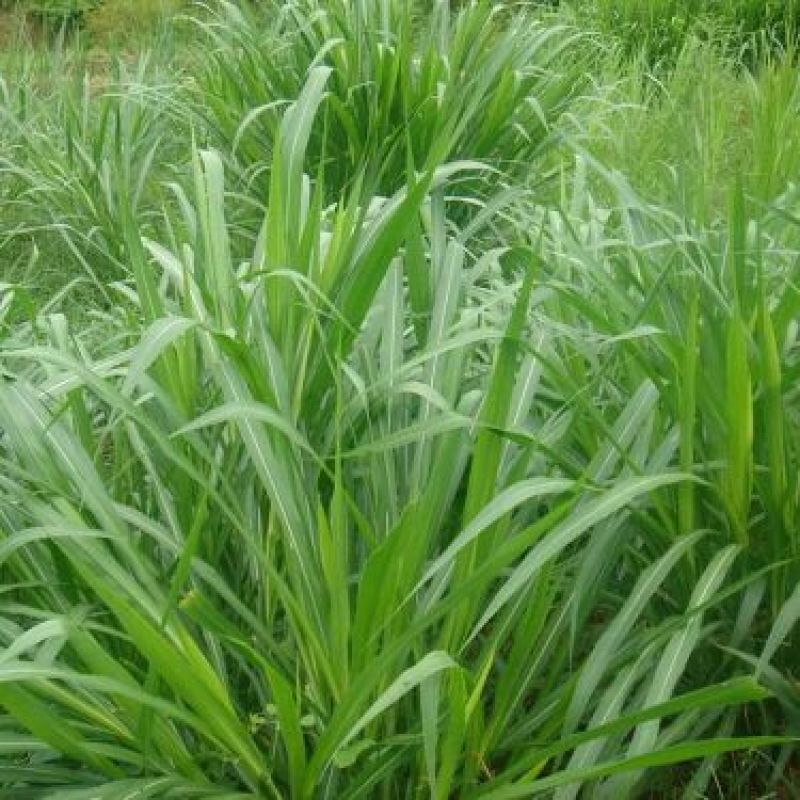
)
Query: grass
[
  {"x": 397, "y": 402},
  {"x": 658, "y": 28}
]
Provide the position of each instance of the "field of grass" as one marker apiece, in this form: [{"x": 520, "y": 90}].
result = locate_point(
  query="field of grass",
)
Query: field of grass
[{"x": 398, "y": 401}]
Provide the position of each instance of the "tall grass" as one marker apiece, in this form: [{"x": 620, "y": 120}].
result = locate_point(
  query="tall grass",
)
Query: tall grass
[
  {"x": 374, "y": 471},
  {"x": 657, "y": 29},
  {"x": 473, "y": 85},
  {"x": 686, "y": 139}
]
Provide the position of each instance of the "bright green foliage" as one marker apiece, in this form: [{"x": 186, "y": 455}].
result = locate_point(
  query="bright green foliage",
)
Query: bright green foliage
[
  {"x": 383, "y": 463},
  {"x": 686, "y": 140},
  {"x": 401, "y": 94},
  {"x": 660, "y": 27}
]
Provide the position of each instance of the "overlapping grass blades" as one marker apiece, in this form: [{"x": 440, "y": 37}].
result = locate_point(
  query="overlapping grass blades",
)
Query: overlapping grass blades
[
  {"x": 387, "y": 477},
  {"x": 457, "y": 84}
]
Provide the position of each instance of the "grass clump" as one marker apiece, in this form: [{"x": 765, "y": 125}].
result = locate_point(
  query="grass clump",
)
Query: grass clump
[
  {"x": 410, "y": 437},
  {"x": 471, "y": 83}
]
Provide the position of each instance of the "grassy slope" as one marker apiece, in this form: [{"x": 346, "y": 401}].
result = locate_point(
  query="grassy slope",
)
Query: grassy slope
[{"x": 355, "y": 468}]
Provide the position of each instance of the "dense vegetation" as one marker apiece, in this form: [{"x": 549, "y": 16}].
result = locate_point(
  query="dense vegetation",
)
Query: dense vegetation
[
  {"x": 399, "y": 401},
  {"x": 747, "y": 28}
]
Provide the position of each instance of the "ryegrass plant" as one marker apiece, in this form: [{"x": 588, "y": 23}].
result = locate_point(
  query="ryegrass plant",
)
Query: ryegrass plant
[
  {"x": 471, "y": 82},
  {"x": 79, "y": 156},
  {"x": 687, "y": 140},
  {"x": 372, "y": 472},
  {"x": 192, "y": 551}
]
